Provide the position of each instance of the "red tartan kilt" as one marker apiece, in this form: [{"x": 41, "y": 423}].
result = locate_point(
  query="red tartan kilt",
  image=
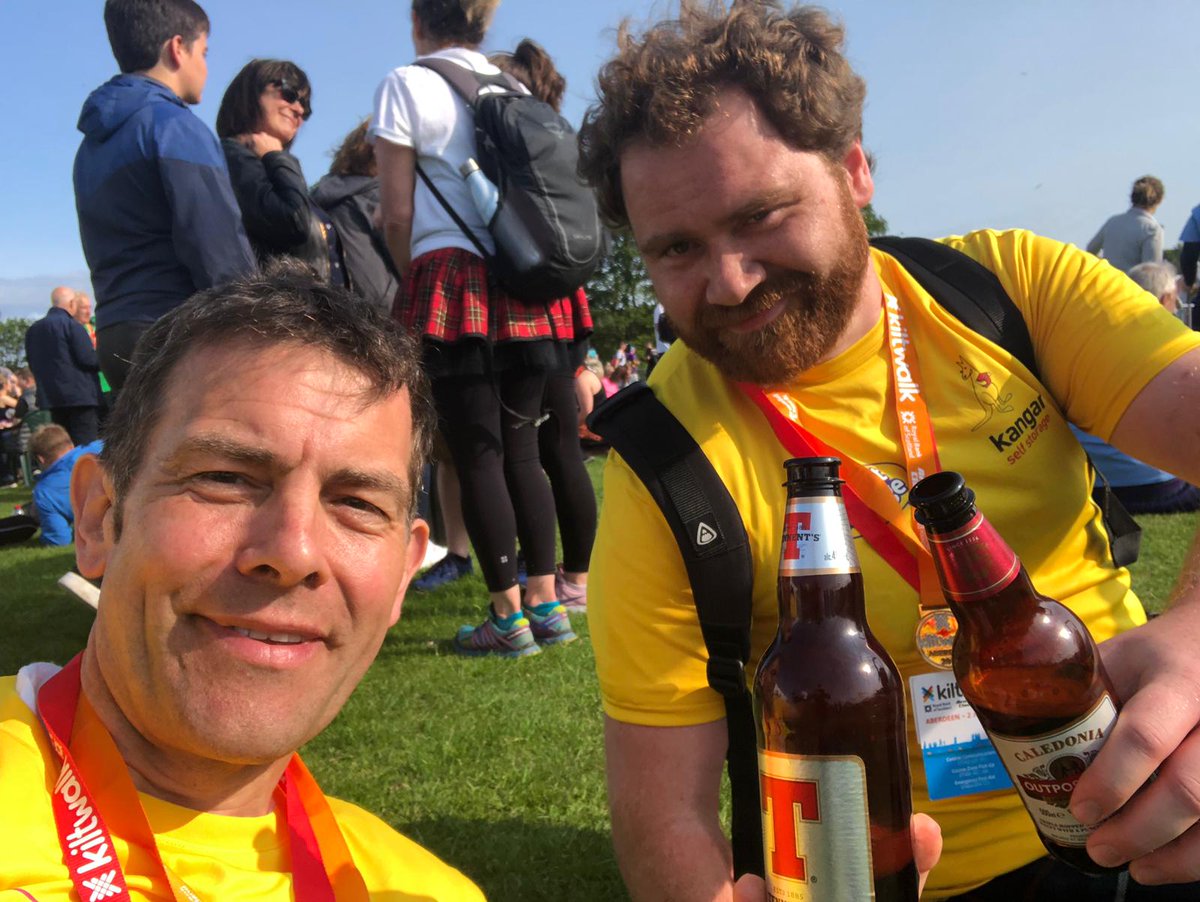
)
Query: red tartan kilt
[{"x": 445, "y": 296}]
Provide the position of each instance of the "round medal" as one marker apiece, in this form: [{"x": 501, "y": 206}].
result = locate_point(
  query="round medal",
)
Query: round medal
[{"x": 935, "y": 637}]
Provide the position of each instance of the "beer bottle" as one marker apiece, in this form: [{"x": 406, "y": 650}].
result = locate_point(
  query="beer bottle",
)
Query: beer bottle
[
  {"x": 1024, "y": 662},
  {"x": 829, "y": 711}
]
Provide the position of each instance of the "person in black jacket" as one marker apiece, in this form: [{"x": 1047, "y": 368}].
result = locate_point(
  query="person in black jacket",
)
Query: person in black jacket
[
  {"x": 260, "y": 116},
  {"x": 63, "y": 361},
  {"x": 350, "y": 195}
]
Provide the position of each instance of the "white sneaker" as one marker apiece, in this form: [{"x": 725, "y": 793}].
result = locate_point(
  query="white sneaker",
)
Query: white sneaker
[
  {"x": 83, "y": 589},
  {"x": 433, "y": 554}
]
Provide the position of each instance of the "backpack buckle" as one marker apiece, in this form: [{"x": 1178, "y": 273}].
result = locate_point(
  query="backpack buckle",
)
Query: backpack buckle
[{"x": 727, "y": 676}]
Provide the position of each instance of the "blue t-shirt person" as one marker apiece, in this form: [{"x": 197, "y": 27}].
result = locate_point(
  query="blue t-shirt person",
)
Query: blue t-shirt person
[{"x": 52, "y": 496}]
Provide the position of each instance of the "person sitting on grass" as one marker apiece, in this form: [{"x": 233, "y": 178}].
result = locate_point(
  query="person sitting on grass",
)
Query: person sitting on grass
[
  {"x": 56, "y": 456},
  {"x": 252, "y": 518}
]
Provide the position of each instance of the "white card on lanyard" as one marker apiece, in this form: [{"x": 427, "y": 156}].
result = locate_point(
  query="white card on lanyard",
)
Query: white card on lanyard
[{"x": 959, "y": 758}]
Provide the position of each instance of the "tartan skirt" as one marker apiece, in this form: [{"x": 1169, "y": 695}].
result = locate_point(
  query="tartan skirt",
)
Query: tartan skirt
[{"x": 446, "y": 296}]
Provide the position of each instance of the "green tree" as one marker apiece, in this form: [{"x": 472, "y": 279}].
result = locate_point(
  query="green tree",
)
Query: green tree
[
  {"x": 12, "y": 342},
  {"x": 621, "y": 299},
  {"x": 876, "y": 224}
]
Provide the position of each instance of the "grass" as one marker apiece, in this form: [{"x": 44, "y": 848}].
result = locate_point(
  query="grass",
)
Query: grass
[{"x": 496, "y": 766}]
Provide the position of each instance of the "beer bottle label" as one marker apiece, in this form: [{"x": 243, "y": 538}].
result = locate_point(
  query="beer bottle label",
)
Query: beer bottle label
[
  {"x": 974, "y": 562},
  {"x": 1046, "y": 768},
  {"x": 816, "y": 831},
  {"x": 816, "y": 538}
]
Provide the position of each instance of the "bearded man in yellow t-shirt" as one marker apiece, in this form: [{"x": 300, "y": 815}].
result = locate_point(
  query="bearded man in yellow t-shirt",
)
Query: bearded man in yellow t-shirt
[
  {"x": 731, "y": 145},
  {"x": 252, "y": 517}
]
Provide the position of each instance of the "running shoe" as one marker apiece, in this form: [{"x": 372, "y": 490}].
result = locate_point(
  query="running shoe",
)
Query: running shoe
[
  {"x": 447, "y": 570},
  {"x": 550, "y": 623},
  {"x": 572, "y": 595},
  {"x": 510, "y": 637}
]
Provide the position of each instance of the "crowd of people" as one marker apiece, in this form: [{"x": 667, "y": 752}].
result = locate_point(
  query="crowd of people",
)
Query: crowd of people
[{"x": 272, "y": 370}]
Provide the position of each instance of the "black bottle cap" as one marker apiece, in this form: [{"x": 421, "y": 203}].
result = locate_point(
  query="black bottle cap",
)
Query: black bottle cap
[
  {"x": 812, "y": 472},
  {"x": 942, "y": 500}
]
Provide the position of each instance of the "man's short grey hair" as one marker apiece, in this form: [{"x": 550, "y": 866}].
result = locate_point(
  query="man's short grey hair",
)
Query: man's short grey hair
[{"x": 1156, "y": 278}]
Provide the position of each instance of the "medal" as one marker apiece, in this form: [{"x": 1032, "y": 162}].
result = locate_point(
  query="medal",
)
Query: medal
[{"x": 935, "y": 637}]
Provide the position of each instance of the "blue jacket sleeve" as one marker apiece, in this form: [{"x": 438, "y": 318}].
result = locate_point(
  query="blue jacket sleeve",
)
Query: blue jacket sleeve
[
  {"x": 55, "y": 522},
  {"x": 206, "y": 225}
]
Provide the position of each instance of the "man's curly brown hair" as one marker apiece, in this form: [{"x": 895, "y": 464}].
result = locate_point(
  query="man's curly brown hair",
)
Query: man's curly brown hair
[{"x": 659, "y": 88}]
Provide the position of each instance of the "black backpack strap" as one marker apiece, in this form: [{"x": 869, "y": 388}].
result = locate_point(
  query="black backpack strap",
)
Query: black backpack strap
[
  {"x": 467, "y": 83},
  {"x": 712, "y": 539},
  {"x": 968, "y": 289},
  {"x": 973, "y": 294},
  {"x": 458, "y": 220}
]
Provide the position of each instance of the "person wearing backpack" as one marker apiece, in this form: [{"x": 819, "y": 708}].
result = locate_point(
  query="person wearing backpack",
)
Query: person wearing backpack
[
  {"x": 487, "y": 351},
  {"x": 730, "y": 143}
]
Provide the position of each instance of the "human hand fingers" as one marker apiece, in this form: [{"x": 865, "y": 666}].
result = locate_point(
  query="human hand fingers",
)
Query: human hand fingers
[
  {"x": 749, "y": 888},
  {"x": 927, "y": 844},
  {"x": 1161, "y": 818}
]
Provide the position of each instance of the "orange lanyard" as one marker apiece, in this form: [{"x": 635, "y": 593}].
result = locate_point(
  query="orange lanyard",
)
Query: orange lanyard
[
  {"x": 872, "y": 507},
  {"x": 322, "y": 869}
]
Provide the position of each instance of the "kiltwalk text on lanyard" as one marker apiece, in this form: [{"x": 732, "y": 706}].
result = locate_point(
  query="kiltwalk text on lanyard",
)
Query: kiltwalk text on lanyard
[
  {"x": 872, "y": 507},
  {"x": 322, "y": 869}
]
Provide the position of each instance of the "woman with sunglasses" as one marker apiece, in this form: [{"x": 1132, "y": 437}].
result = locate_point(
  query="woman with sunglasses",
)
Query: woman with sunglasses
[{"x": 260, "y": 116}]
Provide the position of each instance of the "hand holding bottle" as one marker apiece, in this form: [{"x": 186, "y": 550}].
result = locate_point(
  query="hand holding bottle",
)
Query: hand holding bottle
[
  {"x": 927, "y": 849},
  {"x": 1156, "y": 668}
]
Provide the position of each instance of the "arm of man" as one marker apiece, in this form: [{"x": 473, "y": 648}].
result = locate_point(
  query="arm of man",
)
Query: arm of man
[
  {"x": 1156, "y": 671},
  {"x": 79, "y": 343},
  {"x": 206, "y": 225},
  {"x": 664, "y": 797},
  {"x": 1097, "y": 242},
  {"x": 397, "y": 180}
]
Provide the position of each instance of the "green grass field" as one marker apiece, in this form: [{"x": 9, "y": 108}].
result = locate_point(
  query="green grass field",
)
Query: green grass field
[{"x": 497, "y": 766}]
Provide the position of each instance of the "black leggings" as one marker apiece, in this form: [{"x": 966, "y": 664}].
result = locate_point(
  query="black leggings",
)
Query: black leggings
[
  {"x": 562, "y": 458},
  {"x": 505, "y": 495}
]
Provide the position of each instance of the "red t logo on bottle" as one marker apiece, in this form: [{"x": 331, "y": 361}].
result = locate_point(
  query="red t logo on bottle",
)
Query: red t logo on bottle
[
  {"x": 796, "y": 522},
  {"x": 788, "y": 802}
]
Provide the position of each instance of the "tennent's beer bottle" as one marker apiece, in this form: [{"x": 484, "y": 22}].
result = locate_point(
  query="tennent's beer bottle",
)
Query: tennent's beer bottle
[
  {"x": 829, "y": 708},
  {"x": 1027, "y": 665}
]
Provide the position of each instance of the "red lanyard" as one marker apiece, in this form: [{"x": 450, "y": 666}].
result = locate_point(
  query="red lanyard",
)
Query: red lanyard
[
  {"x": 872, "y": 507},
  {"x": 322, "y": 869}
]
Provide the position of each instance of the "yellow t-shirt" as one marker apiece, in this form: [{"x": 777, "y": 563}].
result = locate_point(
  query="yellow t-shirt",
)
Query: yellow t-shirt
[
  {"x": 1098, "y": 339},
  {"x": 218, "y": 857}
]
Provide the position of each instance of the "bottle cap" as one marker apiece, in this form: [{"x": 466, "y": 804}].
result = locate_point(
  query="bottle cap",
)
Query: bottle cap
[
  {"x": 941, "y": 497},
  {"x": 468, "y": 167},
  {"x": 812, "y": 470}
]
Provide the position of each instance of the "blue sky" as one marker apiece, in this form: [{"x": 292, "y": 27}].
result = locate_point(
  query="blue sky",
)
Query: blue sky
[{"x": 1024, "y": 113}]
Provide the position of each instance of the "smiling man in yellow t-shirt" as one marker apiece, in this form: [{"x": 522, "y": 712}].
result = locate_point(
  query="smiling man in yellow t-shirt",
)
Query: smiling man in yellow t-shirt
[
  {"x": 731, "y": 145},
  {"x": 253, "y": 519}
]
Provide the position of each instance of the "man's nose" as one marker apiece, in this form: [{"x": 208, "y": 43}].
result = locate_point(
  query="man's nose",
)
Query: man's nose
[
  {"x": 285, "y": 544},
  {"x": 732, "y": 276}
]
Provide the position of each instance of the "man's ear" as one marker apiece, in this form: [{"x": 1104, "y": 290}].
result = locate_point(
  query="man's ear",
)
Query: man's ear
[
  {"x": 418, "y": 541},
  {"x": 92, "y": 500},
  {"x": 858, "y": 168}
]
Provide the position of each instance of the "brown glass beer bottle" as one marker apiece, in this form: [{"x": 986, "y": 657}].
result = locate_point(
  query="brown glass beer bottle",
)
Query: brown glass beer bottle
[
  {"x": 829, "y": 709},
  {"x": 1024, "y": 662}
]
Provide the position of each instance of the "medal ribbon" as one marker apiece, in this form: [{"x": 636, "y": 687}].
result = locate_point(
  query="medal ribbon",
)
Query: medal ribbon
[
  {"x": 871, "y": 506},
  {"x": 322, "y": 869}
]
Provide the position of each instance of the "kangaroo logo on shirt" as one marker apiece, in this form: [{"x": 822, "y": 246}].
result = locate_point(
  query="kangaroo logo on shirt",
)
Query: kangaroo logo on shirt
[{"x": 987, "y": 392}]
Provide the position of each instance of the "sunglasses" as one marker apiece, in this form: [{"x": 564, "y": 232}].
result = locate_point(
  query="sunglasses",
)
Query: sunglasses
[{"x": 291, "y": 94}]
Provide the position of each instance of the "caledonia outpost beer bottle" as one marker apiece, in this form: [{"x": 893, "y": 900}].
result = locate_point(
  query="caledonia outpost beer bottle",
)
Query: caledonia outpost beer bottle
[
  {"x": 1024, "y": 662},
  {"x": 829, "y": 709}
]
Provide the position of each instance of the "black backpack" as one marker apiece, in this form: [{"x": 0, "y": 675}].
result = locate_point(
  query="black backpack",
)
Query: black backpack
[
  {"x": 528, "y": 151},
  {"x": 712, "y": 537}
]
